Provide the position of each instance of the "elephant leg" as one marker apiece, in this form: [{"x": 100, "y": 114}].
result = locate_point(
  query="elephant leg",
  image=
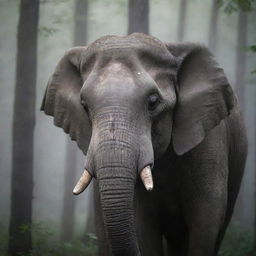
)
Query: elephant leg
[
  {"x": 202, "y": 242},
  {"x": 175, "y": 250},
  {"x": 204, "y": 229},
  {"x": 205, "y": 186},
  {"x": 205, "y": 214},
  {"x": 150, "y": 239},
  {"x": 147, "y": 222},
  {"x": 176, "y": 238}
]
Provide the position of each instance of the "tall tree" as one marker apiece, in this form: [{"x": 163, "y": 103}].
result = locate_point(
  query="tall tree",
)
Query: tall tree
[
  {"x": 253, "y": 250},
  {"x": 213, "y": 36},
  {"x": 254, "y": 235},
  {"x": 80, "y": 29},
  {"x": 23, "y": 129},
  {"x": 241, "y": 57},
  {"x": 80, "y": 37},
  {"x": 138, "y": 16},
  {"x": 181, "y": 21},
  {"x": 68, "y": 211},
  {"x": 240, "y": 88}
]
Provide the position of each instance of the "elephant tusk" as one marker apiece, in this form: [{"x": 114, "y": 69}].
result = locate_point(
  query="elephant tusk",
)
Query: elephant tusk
[
  {"x": 83, "y": 182},
  {"x": 146, "y": 177}
]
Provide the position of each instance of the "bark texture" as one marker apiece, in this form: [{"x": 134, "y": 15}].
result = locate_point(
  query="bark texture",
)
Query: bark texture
[
  {"x": 241, "y": 57},
  {"x": 181, "y": 22},
  {"x": 213, "y": 35},
  {"x": 80, "y": 26},
  {"x": 138, "y": 16},
  {"x": 23, "y": 129},
  {"x": 240, "y": 72},
  {"x": 68, "y": 212}
]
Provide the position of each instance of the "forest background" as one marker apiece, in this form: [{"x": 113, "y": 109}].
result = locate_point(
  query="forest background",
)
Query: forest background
[{"x": 39, "y": 165}]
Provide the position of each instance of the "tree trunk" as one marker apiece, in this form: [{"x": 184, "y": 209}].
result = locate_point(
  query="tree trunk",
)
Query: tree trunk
[
  {"x": 240, "y": 71},
  {"x": 241, "y": 58},
  {"x": 253, "y": 251},
  {"x": 254, "y": 235},
  {"x": 90, "y": 222},
  {"x": 181, "y": 22},
  {"x": 213, "y": 36},
  {"x": 138, "y": 16},
  {"x": 68, "y": 212},
  {"x": 80, "y": 29},
  {"x": 23, "y": 130}
]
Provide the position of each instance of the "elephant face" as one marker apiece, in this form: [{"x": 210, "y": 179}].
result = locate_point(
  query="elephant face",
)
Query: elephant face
[
  {"x": 124, "y": 99},
  {"x": 130, "y": 84}
]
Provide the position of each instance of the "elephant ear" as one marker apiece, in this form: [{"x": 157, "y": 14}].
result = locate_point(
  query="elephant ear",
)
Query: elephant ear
[
  {"x": 204, "y": 95},
  {"x": 62, "y": 98}
]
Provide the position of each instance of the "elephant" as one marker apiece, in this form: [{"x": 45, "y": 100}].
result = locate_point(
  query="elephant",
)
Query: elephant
[{"x": 164, "y": 140}]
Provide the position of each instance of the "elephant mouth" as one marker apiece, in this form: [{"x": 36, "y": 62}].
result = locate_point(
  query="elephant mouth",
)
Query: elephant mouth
[{"x": 86, "y": 177}]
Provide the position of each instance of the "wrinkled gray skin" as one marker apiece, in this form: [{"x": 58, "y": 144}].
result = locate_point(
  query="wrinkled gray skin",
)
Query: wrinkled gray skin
[{"x": 134, "y": 101}]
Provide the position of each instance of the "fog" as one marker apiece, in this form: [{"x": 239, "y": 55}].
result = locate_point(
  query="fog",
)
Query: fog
[{"x": 106, "y": 17}]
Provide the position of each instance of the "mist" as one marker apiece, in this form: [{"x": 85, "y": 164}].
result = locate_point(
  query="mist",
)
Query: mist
[{"x": 56, "y": 32}]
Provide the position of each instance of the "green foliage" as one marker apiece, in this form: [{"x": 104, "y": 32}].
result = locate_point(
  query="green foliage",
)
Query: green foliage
[
  {"x": 47, "y": 31},
  {"x": 42, "y": 237},
  {"x": 24, "y": 228},
  {"x": 3, "y": 240},
  {"x": 55, "y": 21},
  {"x": 53, "y": 1},
  {"x": 230, "y": 6},
  {"x": 45, "y": 243},
  {"x": 237, "y": 242},
  {"x": 252, "y": 48},
  {"x": 77, "y": 247}
]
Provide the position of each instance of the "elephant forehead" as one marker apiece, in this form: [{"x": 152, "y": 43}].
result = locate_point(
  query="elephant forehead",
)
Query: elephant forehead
[
  {"x": 127, "y": 47},
  {"x": 131, "y": 41},
  {"x": 116, "y": 70}
]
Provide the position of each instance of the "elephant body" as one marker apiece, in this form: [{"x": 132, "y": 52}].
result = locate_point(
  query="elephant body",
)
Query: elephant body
[
  {"x": 152, "y": 116},
  {"x": 193, "y": 199}
]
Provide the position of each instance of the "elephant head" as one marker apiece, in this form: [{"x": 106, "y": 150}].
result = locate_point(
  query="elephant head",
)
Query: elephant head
[{"x": 125, "y": 100}]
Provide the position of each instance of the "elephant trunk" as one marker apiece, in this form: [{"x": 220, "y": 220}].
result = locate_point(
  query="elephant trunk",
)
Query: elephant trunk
[
  {"x": 116, "y": 155},
  {"x": 116, "y": 173}
]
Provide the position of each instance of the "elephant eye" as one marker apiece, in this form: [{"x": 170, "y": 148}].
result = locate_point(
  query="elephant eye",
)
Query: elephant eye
[
  {"x": 153, "y": 101},
  {"x": 82, "y": 102}
]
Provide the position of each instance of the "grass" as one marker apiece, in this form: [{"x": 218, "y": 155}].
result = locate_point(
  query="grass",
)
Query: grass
[
  {"x": 237, "y": 242},
  {"x": 45, "y": 243}
]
